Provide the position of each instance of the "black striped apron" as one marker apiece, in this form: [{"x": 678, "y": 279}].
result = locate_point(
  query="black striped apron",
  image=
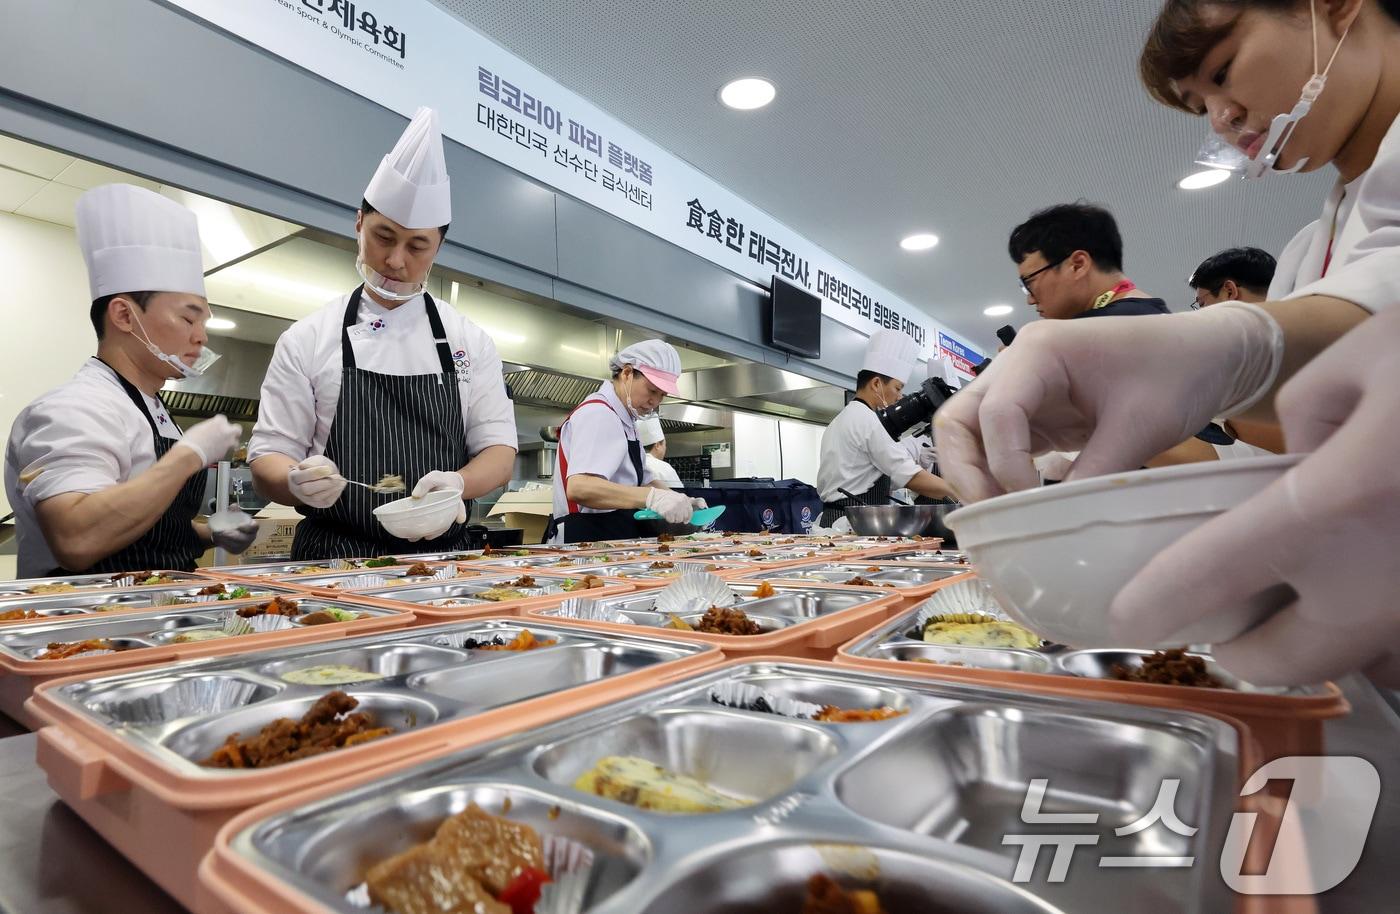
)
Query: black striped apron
[
  {"x": 877, "y": 494},
  {"x": 172, "y": 544},
  {"x": 405, "y": 425}
]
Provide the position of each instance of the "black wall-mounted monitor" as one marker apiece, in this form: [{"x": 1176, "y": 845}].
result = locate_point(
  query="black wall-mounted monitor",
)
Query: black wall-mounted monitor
[{"x": 795, "y": 323}]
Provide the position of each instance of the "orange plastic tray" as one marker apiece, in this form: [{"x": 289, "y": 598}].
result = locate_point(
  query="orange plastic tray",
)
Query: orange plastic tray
[
  {"x": 164, "y": 820},
  {"x": 1283, "y": 724},
  {"x": 232, "y": 885},
  {"x": 813, "y": 640},
  {"x": 20, "y": 678}
]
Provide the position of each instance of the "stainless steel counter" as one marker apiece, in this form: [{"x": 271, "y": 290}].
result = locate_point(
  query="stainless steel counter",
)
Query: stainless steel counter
[{"x": 52, "y": 863}]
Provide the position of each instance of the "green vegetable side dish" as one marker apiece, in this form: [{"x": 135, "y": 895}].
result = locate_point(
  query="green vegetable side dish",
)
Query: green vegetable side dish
[
  {"x": 237, "y": 593},
  {"x": 384, "y": 561}
]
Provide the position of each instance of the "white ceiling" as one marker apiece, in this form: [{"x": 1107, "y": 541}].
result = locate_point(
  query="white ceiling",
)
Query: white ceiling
[{"x": 906, "y": 115}]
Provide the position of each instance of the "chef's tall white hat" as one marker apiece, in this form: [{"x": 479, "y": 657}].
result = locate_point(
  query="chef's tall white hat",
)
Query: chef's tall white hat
[
  {"x": 649, "y": 431},
  {"x": 411, "y": 185},
  {"x": 135, "y": 240},
  {"x": 892, "y": 354}
]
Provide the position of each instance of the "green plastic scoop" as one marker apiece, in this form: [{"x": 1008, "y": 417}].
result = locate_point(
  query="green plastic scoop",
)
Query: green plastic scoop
[{"x": 702, "y": 518}]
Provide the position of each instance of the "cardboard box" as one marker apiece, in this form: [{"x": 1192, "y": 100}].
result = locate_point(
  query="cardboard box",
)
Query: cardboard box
[
  {"x": 528, "y": 509},
  {"x": 277, "y": 525}
]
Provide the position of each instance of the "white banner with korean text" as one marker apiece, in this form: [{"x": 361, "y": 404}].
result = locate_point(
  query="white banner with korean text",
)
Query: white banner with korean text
[{"x": 406, "y": 53}]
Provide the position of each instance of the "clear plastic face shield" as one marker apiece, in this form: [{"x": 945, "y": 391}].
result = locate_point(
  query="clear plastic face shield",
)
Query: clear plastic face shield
[
  {"x": 1217, "y": 153},
  {"x": 206, "y": 358},
  {"x": 383, "y": 286}
]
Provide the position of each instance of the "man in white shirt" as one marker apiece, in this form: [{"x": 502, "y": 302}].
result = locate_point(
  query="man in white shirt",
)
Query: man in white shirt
[
  {"x": 654, "y": 441},
  {"x": 99, "y": 476},
  {"x": 385, "y": 381},
  {"x": 860, "y": 463}
]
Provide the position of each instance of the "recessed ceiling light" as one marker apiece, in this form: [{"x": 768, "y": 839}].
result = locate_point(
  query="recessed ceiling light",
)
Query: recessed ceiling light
[
  {"x": 220, "y": 323},
  {"x": 997, "y": 310},
  {"x": 1202, "y": 179},
  {"x": 920, "y": 242},
  {"x": 747, "y": 94}
]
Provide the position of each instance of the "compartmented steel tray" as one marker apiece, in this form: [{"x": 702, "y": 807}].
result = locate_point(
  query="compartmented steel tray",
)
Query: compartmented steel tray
[
  {"x": 143, "y": 637},
  {"x": 914, "y": 807},
  {"x": 86, "y": 602},
  {"x": 909, "y": 580},
  {"x": 24, "y": 587},
  {"x": 123, "y": 749},
  {"x": 1286, "y": 721},
  {"x": 295, "y": 570},
  {"x": 800, "y": 620},
  {"x": 926, "y": 557},
  {"x": 661, "y": 571},
  {"x": 441, "y": 600}
]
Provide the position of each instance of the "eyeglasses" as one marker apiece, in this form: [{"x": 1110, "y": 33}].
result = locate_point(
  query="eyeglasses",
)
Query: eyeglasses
[{"x": 1026, "y": 280}]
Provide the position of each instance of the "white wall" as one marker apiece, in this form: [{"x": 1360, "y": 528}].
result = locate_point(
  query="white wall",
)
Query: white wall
[
  {"x": 801, "y": 444},
  {"x": 44, "y": 311}
]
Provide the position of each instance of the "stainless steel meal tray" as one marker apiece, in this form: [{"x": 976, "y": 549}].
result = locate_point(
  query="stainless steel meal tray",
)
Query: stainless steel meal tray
[
  {"x": 885, "y": 573},
  {"x": 135, "y": 630},
  {"x": 895, "y": 640},
  {"x": 96, "y": 601},
  {"x": 24, "y": 587},
  {"x": 791, "y": 604},
  {"x": 412, "y": 678},
  {"x": 915, "y": 807},
  {"x": 466, "y": 591}
]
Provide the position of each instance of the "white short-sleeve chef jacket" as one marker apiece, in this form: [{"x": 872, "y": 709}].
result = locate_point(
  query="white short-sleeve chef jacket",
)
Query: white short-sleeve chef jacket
[
  {"x": 302, "y": 387},
  {"x": 88, "y": 436},
  {"x": 593, "y": 442},
  {"x": 856, "y": 450},
  {"x": 1365, "y": 265},
  {"x": 662, "y": 471}
]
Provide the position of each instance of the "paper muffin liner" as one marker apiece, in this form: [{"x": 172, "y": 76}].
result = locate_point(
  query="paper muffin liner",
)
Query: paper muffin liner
[
  {"x": 749, "y": 697},
  {"x": 127, "y": 581},
  {"x": 363, "y": 582},
  {"x": 170, "y": 599},
  {"x": 569, "y": 864},
  {"x": 184, "y": 698},
  {"x": 235, "y": 624},
  {"x": 972, "y": 597},
  {"x": 590, "y": 610},
  {"x": 694, "y": 592}
]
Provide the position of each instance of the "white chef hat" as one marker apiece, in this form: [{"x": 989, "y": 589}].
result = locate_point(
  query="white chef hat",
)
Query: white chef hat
[
  {"x": 411, "y": 185},
  {"x": 649, "y": 431},
  {"x": 135, "y": 240},
  {"x": 892, "y": 354}
]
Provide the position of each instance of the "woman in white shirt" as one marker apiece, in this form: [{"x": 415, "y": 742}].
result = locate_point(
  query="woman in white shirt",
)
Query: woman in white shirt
[
  {"x": 600, "y": 477},
  {"x": 385, "y": 381}
]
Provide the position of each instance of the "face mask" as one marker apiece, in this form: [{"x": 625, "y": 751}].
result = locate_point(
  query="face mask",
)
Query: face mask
[
  {"x": 201, "y": 364},
  {"x": 654, "y": 414},
  {"x": 1216, "y": 153},
  {"x": 383, "y": 286}
]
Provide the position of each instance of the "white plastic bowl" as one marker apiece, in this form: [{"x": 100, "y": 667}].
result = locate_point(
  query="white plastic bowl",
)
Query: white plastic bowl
[
  {"x": 1056, "y": 557},
  {"x": 415, "y": 518}
]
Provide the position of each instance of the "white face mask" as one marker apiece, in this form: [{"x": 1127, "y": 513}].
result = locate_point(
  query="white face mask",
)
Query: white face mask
[
  {"x": 206, "y": 358},
  {"x": 654, "y": 414},
  {"x": 383, "y": 286},
  {"x": 1216, "y": 153}
]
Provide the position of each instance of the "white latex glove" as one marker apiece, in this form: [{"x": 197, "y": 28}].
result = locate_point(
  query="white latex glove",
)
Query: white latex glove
[
  {"x": 211, "y": 439},
  {"x": 441, "y": 479},
  {"x": 233, "y": 530},
  {"x": 671, "y": 505},
  {"x": 316, "y": 482},
  {"x": 1118, "y": 390},
  {"x": 699, "y": 504},
  {"x": 1328, "y": 528}
]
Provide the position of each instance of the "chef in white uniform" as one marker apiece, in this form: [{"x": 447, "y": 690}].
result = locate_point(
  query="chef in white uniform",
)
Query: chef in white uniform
[
  {"x": 385, "y": 380},
  {"x": 600, "y": 477},
  {"x": 99, "y": 476},
  {"x": 860, "y": 463},
  {"x": 654, "y": 442}
]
